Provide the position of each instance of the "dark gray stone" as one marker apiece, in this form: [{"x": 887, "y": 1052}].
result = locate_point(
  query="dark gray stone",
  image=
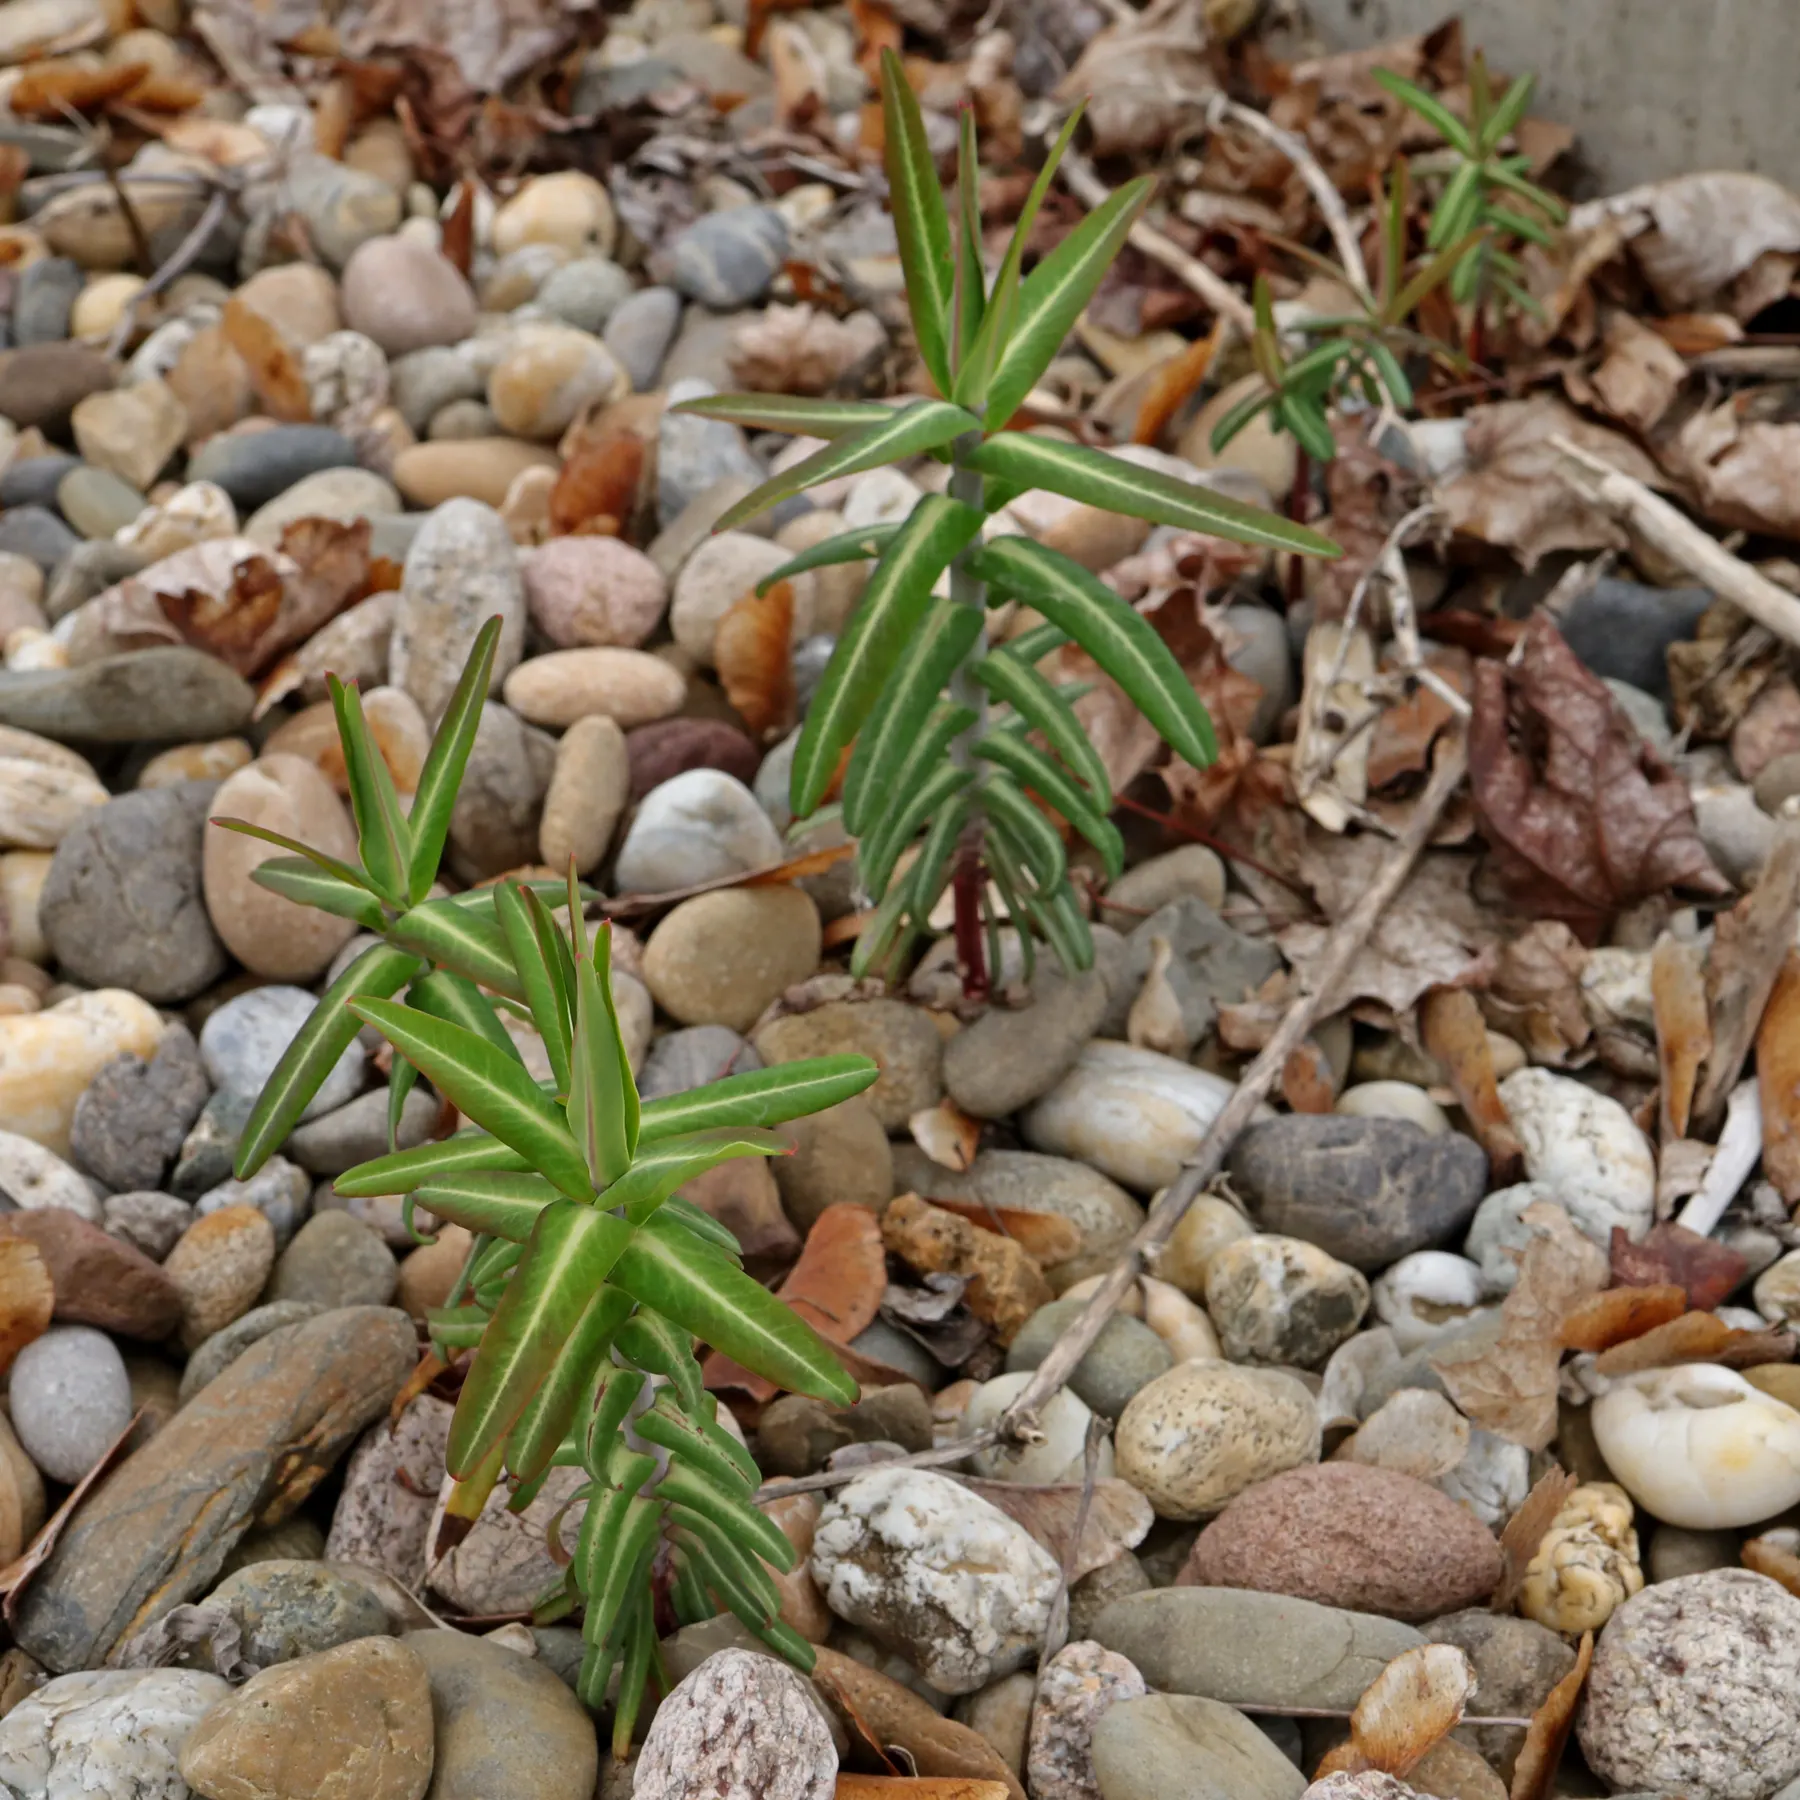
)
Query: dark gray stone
[
  {"x": 33, "y": 482},
  {"x": 1368, "y": 1191},
  {"x": 727, "y": 259},
  {"x": 44, "y": 299},
  {"x": 258, "y": 465},
  {"x": 122, "y": 906},
  {"x": 210, "y": 1148},
  {"x": 38, "y": 533},
  {"x": 335, "y": 1260},
  {"x": 1123, "y": 1358},
  {"x": 131, "y": 1118},
  {"x": 287, "y": 1609},
  {"x": 1623, "y": 629},
  {"x": 156, "y": 696},
  {"x": 1210, "y": 965},
  {"x": 252, "y": 1444}
]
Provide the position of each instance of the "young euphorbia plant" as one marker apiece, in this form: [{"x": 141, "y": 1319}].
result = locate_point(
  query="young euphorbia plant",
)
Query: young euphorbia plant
[
  {"x": 590, "y": 1278},
  {"x": 957, "y": 745}
]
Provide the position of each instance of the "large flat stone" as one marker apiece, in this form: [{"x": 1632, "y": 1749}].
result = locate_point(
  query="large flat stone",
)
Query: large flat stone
[{"x": 246, "y": 1450}]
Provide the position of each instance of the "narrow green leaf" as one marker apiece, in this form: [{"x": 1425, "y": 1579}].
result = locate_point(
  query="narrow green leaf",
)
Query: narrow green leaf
[
  {"x": 1515, "y": 183},
  {"x": 298, "y": 879},
  {"x": 1139, "y": 493},
  {"x": 314, "y": 1051},
  {"x": 975, "y": 377},
  {"x": 439, "y": 779},
  {"x": 844, "y": 547},
  {"x": 933, "y": 655},
  {"x": 405, "y": 1170},
  {"x": 896, "y": 599},
  {"x": 970, "y": 300},
  {"x": 402, "y": 1079},
  {"x": 1043, "y": 709},
  {"x": 1457, "y": 207},
  {"x": 920, "y": 221},
  {"x": 496, "y": 1202},
  {"x": 659, "y": 1346},
  {"x": 906, "y": 812},
  {"x": 1429, "y": 108},
  {"x": 572, "y": 1250},
  {"x": 640, "y": 1653},
  {"x": 327, "y": 865},
  {"x": 924, "y": 753},
  {"x": 660, "y": 1169},
  {"x": 1393, "y": 377},
  {"x": 1519, "y": 225},
  {"x": 901, "y": 432},
  {"x": 1053, "y": 297},
  {"x": 627, "y": 1524},
  {"x": 726, "y": 1569},
  {"x": 543, "y": 995},
  {"x": 1118, "y": 637},
  {"x": 1305, "y": 421},
  {"x": 616, "y": 1392},
  {"x": 672, "y": 1430},
  {"x": 1031, "y": 768},
  {"x": 790, "y": 413},
  {"x": 725, "y": 1308},
  {"x": 1506, "y": 116},
  {"x": 461, "y": 938},
  {"x": 704, "y": 1226},
  {"x": 486, "y": 1086},
  {"x": 1239, "y": 416},
  {"x": 458, "y": 1001},
  {"x": 382, "y": 837},
  {"x": 602, "y": 1100},
  {"x": 878, "y": 938},
  {"x": 1064, "y": 927},
  {"x": 931, "y": 869},
  {"x": 1035, "y": 643},
  {"x": 1030, "y": 832},
  {"x": 763, "y": 1097},
  {"x": 686, "y": 1485},
  {"x": 541, "y": 1427},
  {"x": 1003, "y": 867},
  {"x": 1431, "y": 274}
]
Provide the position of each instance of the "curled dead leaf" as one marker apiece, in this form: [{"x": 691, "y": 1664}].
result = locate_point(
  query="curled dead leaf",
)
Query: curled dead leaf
[
  {"x": 1695, "y": 1337},
  {"x": 947, "y": 1135},
  {"x": 1525, "y": 1530},
  {"x": 1534, "y": 1774},
  {"x": 1155, "y": 1021},
  {"x": 600, "y": 483},
  {"x": 1620, "y": 1314},
  {"x": 1669, "y": 1254},
  {"x": 1683, "y": 1028},
  {"x": 54, "y": 89},
  {"x": 27, "y": 1297},
  {"x": 753, "y": 654},
  {"x": 233, "y": 626},
  {"x": 1778, "y": 1080},
  {"x": 1309, "y": 1083},
  {"x": 1454, "y": 1032},
  {"x": 1413, "y": 1704},
  {"x": 275, "y": 370}
]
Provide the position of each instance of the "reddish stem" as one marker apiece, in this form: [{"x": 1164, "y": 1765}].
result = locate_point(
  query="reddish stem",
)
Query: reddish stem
[{"x": 971, "y": 938}]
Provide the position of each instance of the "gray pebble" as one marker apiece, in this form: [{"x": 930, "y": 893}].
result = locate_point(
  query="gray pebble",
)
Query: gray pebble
[
  {"x": 727, "y": 259},
  {"x": 640, "y": 331},
  {"x": 290, "y": 1609},
  {"x": 33, "y": 482},
  {"x": 244, "y": 1039},
  {"x": 45, "y": 297},
  {"x": 256, "y": 466},
  {"x": 692, "y": 1057},
  {"x": 210, "y": 1148},
  {"x": 585, "y": 293},
  {"x": 36, "y": 532},
  {"x": 278, "y": 1190},
  {"x": 148, "y": 1220},
  {"x": 225, "y": 1346},
  {"x": 132, "y": 1117},
  {"x": 70, "y": 1398},
  {"x": 335, "y": 1260}
]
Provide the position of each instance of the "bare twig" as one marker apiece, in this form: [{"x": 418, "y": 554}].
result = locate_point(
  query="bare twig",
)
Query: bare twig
[
  {"x": 1664, "y": 528},
  {"x": 1215, "y": 290},
  {"x": 1220, "y": 109},
  {"x": 183, "y": 257}
]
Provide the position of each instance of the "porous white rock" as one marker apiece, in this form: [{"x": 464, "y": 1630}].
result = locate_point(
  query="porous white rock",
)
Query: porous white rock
[
  {"x": 1583, "y": 1144},
  {"x": 1427, "y": 1294},
  {"x": 933, "y": 1571}
]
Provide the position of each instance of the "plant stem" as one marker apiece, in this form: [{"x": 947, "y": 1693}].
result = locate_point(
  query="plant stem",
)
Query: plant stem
[
  {"x": 1299, "y": 494},
  {"x": 967, "y": 589}
]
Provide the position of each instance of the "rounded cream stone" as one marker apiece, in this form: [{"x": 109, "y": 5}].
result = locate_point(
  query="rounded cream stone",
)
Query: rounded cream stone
[
  {"x": 548, "y": 374},
  {"x": 47, "y": 1058},
  {"x": 22, "y": 877},
  {"x": 568, "y": 209},
  {"x": 211, "y": 761},
  {"x": 712, "y": 581},
  {"x": 1427, "y": 1294},
  {"x": 1394, "y": 1100},
  {"x": 1777, "y": 1290},
  {"x": 1207, "y": 1226},
  {"x": 1181, "y": 1324},
  {"x": 1193, "y": 1438},
  {"x": 1063, "y": 1419},
  {"x": 1698, "y": 1446},
  {"x": 562, "y": 686}
]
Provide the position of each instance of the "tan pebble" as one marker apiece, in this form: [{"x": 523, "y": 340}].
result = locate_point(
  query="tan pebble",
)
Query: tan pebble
[
  {"x": 220, "y": 1266},
  {"x": 802, "y": 1605},
  {"x": 526, "y": 508},
  {"x": 548, "y": 376},
  {"x": 196, "y": 762},
  {"x": 16, "y": 998},
  {"x": 22, "y": 877},
  {"x": 466, "y": 469},
  {"x": 627, "y": 685},
  {"x": 212, "y": 383},
  {"x": 48, "y": 1058},
  {"x": 568, "y": 209},
  {"x": 299, "y": 298},
  {"x": 589, "y": 787},
  {"x": 131, "y": 431},
  {"x": 39, "y": 802},
  {"x": 428, "y": 1273},
  {"x": 102, "y": 303},
  {"x": 21, "y": 593},
  {"x": 720, "y": 959}
]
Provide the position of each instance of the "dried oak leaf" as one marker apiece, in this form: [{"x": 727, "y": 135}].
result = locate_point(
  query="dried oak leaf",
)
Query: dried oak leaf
[
  {"x": 1118, "y": 1518},
  {"x": 836, "y": 1287},
  {"x": 1525, "y": 1531},
  {"x": 1778, "y": 1080},
  {"x": 1367, "y": 495},
  {"x": 1432, "y": 934},
  {"x": 1622, "y": 1313},
  {"x": 1639, "y": 376},
  {"x": 1683, "y": 1030},
  {"x": 275, "y": 370},
  {"x": 233, "y": 626},
  {"x": 1695, "y": 1337},
  {"x": 598, "y": 487},
  {"x": 1540, "y": 1756},
  {"x": 1453, "y": 1030},
  {"x": 1670, "y": 1254},
  {"x": 1535, "y": 994},
  {"x": 1582, "y": 815},
  {"x": 1511, "y": 493},
  {"x": 752, "y": 652},
  {"x": 1416, "y": 1701},
  {"x": 1744, "y": 472},
  {"x": 1508, "y": 1386},
  {"x": 1696, "y": 235},
  {"x": 1142, "y": 78},
  {"x": 1400, "y": 741}
]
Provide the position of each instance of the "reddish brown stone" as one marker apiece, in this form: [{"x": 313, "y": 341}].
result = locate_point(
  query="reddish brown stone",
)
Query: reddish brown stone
[
  {"x": 1348, "y": 1535},
  {"x": 99, "y": 1280},
  {"x": 673, "y": 746}
]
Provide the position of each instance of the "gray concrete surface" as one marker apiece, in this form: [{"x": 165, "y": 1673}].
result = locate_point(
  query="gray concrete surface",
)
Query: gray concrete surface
[{"x": 1655, "y": 87}]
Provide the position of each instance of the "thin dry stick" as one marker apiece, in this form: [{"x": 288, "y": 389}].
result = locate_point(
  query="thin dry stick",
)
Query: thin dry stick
[
  {"x": 1215, "y": 290},
  {"x": 185, "y": 254},
  {"x": 1323, "y": 189},
  {"x": 1664, "y": 528},
  {"x": 1348, "y": 936}
]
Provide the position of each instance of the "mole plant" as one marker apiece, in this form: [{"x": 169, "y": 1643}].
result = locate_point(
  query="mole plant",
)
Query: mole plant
[
  {"x": 590, "y": 1278},
  {"x": 953, "y": 756}
]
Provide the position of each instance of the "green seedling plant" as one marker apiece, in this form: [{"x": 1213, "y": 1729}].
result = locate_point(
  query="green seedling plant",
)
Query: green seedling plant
[
  {"x": 590, "y": 1278},
  {"x": 954, "y": 756},
  {"x": 1488, "y": 204},
  {"x": 1355, "y": 354}
]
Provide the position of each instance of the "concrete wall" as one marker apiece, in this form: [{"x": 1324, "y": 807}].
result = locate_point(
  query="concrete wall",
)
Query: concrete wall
[{"x": 1655, "y": 87}]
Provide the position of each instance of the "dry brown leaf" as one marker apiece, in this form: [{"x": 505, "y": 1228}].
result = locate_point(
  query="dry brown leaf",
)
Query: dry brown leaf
[
  {"x": 1511, "y": 493},
  {"x": 1534, "y": 1774},
  {"x": 598, "y": 489},
  {"x": 1535, "y": 994},
  {"x": 1172, "y": 382},
  {"x": 1047, "y": 1238},
  {"x": 803, "y": 350},
  {"x": 1622, "y": 1313},
  {"x": 1525, "y": 1531},
  {"x": 1118, "y": 1518},
  {"x": 947, "y": 1135},
  {"x": 1695, "y": 1337},
  {"x": 836, "y": 1287},
  {"x": 1309, "y": 1083},
  {"x": 275, "y": 370},
  {"x": 457, "y": 242},
  {"x": 1418, "y": 1699},
  {"x": 1455, "y": 1033},
  {"x": 1142, "y": 78},
  {"x": 1640, "y": 375},
  {"x": 1432, "y": 934},
  {"x": 486, "y": 43},
  {"x": 1509, "y": 1387},
  {"x": 1745, "y": 472},
  {"x": 1698, "y": 234},
  {"x": 1401, "y": 739},
  {"x": 1683, "y": 1030},
  {"x": 1778, "y": 1080},
  {"x": 27, "y": 1297},
  {"x": 54, "y": 89},
  {"x": 1582, "y": 815},
  {"x": 752, "y": 651},
  {"x": 1671, "y": 1255},
  {"x": 1749, "y": 945},
  {"x": 335, "y": 570},
  {"x": 233, "y": 626}
]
